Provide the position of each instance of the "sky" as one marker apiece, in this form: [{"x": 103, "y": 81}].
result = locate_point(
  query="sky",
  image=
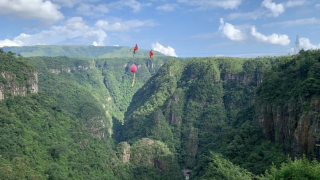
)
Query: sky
[{"x": 181, "y": 28}]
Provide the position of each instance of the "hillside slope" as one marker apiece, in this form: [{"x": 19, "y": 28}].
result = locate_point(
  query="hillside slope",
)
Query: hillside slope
[
  {"x": 193, "y": 106},
  {"x": 39, "y": 138},
  {"x": 232, "y": 106},
  {"x": 118, "y": 77},
  {"x": 78, "y": 87},
  {"x": 288, "y": 104},
  {"x": 63, "y": 132}
]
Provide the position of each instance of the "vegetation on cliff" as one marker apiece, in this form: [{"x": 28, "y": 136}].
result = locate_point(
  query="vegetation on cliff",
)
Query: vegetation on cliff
[
  {"x": 39, "y": 140},
  {"x": 193, "y": 106},
  {"x": 287, "y": 104},
  {"x": 17, "y": 76},
  {"x": 209, "y": 104},
  {"x": 226, "y": 118}
]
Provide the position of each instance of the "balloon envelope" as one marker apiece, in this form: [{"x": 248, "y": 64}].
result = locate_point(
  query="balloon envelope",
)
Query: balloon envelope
[{"x": 133, "y": 68}]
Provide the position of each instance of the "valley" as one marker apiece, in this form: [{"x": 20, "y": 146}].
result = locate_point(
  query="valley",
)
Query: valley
[{"x": 69, "y": 117}]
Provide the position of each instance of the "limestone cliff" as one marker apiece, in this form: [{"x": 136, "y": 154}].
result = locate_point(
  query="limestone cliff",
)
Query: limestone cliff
[
  {"x": 187, "y": 103},
  {"x": 287, "y": 104},
  {"x": 17, "y": 76},
  {"x": 294, "y": 124},
  {"x": 77, "y": 85},
  {"x": 150, "y": 154},
  {"x": 68, "y": 69},
  {"x": 12, "y": 87}
]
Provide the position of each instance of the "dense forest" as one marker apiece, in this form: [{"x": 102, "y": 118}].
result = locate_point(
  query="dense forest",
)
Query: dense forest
[{"x": 69, "y": 117}]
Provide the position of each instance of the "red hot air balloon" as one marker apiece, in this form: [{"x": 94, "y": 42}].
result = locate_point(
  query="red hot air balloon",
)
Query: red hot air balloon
[{"x": 133, "y": 69}]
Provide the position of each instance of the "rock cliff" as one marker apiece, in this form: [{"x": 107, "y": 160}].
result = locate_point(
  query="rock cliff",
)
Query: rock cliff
[{"x": 17, "y": 76}]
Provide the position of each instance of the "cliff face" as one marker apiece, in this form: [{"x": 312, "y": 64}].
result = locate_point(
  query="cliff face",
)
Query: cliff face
[
  {"x": 187, "y": 104},
  {"x": 18, "y": 78},
  {"x": 77, "y": 85},
  {"x": 287, "y": 105},
  {"x": 118, "y": 78},
  {"x": 295, "y": 125},
  {"x": 149, "y": 154},
  {"x": 68, "y": 69},
  {"x": 15, "y": 89}
]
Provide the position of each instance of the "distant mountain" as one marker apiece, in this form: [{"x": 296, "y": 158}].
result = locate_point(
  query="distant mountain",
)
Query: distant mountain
[{"x": 79, "y": 51}]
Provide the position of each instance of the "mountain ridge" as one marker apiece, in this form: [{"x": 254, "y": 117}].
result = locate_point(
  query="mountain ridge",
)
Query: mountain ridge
[{"x": 79, "y": 51}]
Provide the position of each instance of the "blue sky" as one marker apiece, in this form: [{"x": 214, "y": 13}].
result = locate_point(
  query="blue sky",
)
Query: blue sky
[{"x": 183, "y": 28}]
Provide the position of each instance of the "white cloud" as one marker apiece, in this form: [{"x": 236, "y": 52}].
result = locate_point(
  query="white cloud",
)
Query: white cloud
[
  {"x": 318, "y": 5},
  {"x": 8, "y": 42},
  {"x": 92, "y": 10},
  {"x": 116, "y": 45},
  {"x": 74, "y": 28},
  {"x": 306, "y": 44},
  {"x": 135, "y": 5},
  {"x": 240, "y": 33},
  {"x": 268, "y": 9},
  {"x": 71, "y": 3},
  {"x": 229, "y": 31},
  {"x": 32, "y": 9},
  {"x": 123, "y": 26},
  {"x": 75, "y": 23},
  {"x": 278, "y": 39},
  {"x": 210, "y": 4},
  {"x": 248, "y": 15},
  {"x": 296, "y": 22},
  {"x": 293, "y": 3},
  {"x": 169, "y": 51},
  {"x": 167, "y": 7},
  {"x": 276, "y": 9}
]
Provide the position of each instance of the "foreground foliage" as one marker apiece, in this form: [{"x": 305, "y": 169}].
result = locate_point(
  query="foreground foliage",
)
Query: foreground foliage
[
  {"x": 217, "y": 168},
  {"x": 301, "y": 169},
  {"x": 41, "y": 140}
]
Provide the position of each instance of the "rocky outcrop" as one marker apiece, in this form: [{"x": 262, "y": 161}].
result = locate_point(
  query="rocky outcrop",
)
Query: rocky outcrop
[
  {"x": 295, "y": 125},
  {"x": 150, "y": 64},
  {"x": 240, "y": 78},
  {"x": 33, "y": 82},
  {"x": 1, "y": 92},
  {"x": 148, "y": 152},
  {"x": 124, "y": 151},
  {"x": 15, "y": 88},
  {"x": 151, "y": 154},
  {"x": 68, "y": 70},
  {"x": 97, "y": 127}
]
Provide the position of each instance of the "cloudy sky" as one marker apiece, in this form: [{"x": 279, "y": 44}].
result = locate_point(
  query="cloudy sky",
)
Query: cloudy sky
[{"x": 184, "y": 28}]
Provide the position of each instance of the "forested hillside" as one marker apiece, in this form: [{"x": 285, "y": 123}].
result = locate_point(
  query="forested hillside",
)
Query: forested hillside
[
  {"x": 18, "y": 77},
  {"x": 210, "y": 104},
  {"x": 287, "y": 104},
  {"x": 222, "y": 118},
  {"x": 63, "y": 132},
  {"x": 40, "y": 139},
  {"x": 93, "y": 87},
  {"x": 118, "y": 78},
  {"x": 202, "y": 105}
]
